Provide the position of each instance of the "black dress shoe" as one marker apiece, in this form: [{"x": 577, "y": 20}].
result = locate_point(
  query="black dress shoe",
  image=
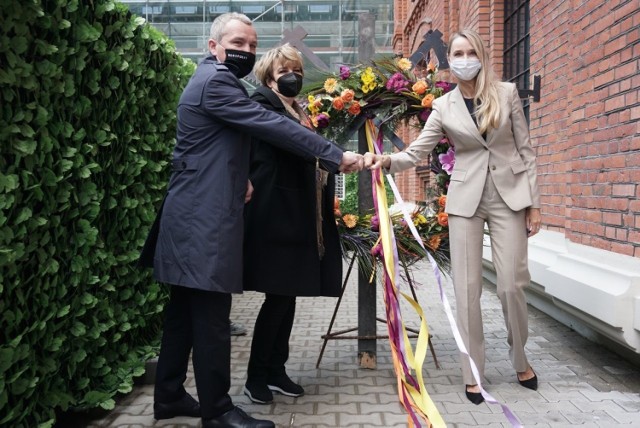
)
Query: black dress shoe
[
  {"x": 475, "y": 397},
  {"x": 186, "y": 406},
  {"x": 236, "y": 418},
  {"x": 530, "y": 383}
]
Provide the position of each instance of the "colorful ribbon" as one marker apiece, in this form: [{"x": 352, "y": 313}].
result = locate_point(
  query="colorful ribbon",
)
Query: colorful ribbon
[
  {"x": 411, "y": 391},
  {"x": 407, "y": 364}
]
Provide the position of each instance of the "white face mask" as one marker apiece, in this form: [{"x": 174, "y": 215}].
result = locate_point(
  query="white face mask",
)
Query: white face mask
[{"x": 465, "y": 68}]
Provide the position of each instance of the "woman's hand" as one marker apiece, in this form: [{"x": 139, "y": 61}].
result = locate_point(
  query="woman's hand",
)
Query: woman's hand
[
  {"x": 532, "y": 220},
  {"x": 373, "y": 161},
  {"x": 247, "y": 196}
]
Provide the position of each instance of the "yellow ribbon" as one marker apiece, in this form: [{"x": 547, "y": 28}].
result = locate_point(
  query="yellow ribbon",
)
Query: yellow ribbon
[{"x": 421, "y": 402}]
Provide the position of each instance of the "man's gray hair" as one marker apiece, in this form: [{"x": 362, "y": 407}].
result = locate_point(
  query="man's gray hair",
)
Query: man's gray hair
[{"x": 219, "y": 24}]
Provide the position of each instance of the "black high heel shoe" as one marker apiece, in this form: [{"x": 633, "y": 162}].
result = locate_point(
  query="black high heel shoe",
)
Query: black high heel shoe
[
  {"x": 475, "y": 397},
  {"x": 531, "y": 383}
]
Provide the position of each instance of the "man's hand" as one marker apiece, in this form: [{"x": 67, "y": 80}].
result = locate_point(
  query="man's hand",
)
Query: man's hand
[
  {"x": 351, "y": 162},
  {"x": 247, "y": 196},
  {"x": 373, "y": 161}
]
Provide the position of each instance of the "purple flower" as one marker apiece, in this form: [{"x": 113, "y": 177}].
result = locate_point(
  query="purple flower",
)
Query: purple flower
[
  {"x": 323, "y": 120},
  {"x": 397, "y": 83},
  {"x": 345, "y": 72},
  {"x": 375, "y": 223},
  {"x": 424, "y": 114},
  {"x": 376, "y": 251},
  {"x": 445, "y": 86},
  {"x": 448, "y": 160}
]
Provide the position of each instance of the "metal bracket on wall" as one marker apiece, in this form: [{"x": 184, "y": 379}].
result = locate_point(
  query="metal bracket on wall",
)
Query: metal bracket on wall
[{"x": 535, "y": 92}]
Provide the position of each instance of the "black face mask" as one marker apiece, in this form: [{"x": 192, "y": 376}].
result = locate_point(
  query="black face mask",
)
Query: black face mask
[
  {"x": 240, "y": 63},
  {"x": 289, "y": 84}
]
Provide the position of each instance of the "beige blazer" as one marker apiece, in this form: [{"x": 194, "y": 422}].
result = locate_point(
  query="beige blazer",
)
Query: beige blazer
[{"x": 506, "y": 154}]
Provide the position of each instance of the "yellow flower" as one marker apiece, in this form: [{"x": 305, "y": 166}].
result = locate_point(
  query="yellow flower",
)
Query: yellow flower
[
  {"x": 419, "y": 220},
  {"x": 350, "y": 220},
  {"x": 368, "y": 76},
  {"x": 330, "y": 85},
  {"x": 404, "y": 64},
  {"x": 369, "y": 87}
]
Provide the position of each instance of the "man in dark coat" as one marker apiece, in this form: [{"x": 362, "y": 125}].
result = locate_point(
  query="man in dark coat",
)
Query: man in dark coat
[{"x": 200, "y": 234}]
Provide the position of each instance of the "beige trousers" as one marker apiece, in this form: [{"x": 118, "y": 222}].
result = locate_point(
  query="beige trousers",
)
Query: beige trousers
[{"x": 507, "y": 230}]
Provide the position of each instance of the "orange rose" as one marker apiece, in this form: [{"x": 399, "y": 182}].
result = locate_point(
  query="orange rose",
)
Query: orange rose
[
  {"x": 337, "y": 103},
  {"x": 420, "y": 87},
  {"x": 442, "y": 201},
  {"x": 336, "y": 207},
  {"x": 443, "y": 219},
  {"x": 354, "y": 109},
  {"x": 427, "y": 100},
  {"x": 347, "y": 95}
]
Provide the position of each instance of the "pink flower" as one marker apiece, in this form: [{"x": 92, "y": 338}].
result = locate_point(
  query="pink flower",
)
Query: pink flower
[
  {"x": 424, "y": 114},
  {"x": 445, "y": 86},
  {"x": 375, "y": 223},
  {"x": 445, "y": 140},
  {"x": 448, "y": 160},
  {"x": 323, "y": 120},
  {"x": 345, "y": 72},
  {"x": 376, "y": 251},
  {"x": 397, "y": 83}
]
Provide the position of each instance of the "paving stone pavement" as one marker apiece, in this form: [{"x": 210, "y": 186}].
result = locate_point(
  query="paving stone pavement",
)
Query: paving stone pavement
[{"x": 581, "y": 383}]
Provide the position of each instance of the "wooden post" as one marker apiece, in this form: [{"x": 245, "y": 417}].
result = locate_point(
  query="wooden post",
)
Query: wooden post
[{"x": 366, "y": 290}]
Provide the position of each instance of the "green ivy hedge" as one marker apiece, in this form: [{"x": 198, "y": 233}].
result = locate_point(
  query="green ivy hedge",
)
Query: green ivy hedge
[{"x": 87, "y": 126}]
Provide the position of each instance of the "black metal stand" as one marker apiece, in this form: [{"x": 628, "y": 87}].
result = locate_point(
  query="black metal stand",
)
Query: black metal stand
[{"x": 340, "y": 335}]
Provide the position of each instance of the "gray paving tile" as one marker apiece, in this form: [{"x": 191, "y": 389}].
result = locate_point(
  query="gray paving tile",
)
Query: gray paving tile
[{"x": 581, "y": 383}]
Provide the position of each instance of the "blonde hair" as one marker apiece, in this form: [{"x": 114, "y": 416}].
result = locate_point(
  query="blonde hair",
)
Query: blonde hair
[
  {"x": 285, "y": 54},
  {"x": 486, "y": 98}
]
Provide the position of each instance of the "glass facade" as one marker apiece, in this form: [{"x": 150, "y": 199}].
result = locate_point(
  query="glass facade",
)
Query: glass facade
[{"x": 332, "y": 25}]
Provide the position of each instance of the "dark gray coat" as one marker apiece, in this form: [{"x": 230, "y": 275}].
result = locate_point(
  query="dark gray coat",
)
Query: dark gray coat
[{"x": 200, "y": 234}]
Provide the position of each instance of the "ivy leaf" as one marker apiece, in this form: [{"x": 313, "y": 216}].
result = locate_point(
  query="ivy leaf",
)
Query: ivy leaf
[
  {"x": 8, "y": 182},
  {"x": 24, "y": 215},
  {"x": 19, "y": 44},
  {"x": 25, "y": 147}
]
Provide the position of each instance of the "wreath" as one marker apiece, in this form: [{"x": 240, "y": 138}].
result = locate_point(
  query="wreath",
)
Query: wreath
[{"x": 395, "y": 93}]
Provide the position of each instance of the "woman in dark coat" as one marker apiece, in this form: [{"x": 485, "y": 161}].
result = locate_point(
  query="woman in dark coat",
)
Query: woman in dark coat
[{"x": 291, "y": 244}]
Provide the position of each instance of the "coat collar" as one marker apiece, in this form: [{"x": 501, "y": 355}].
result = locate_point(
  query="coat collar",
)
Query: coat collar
[
  {"x": 271, "y": 96},
  {"x": 465, "y": 117}
]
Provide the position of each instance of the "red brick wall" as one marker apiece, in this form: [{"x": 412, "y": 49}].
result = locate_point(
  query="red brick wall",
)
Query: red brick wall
[{"x": 586, "y": 128}]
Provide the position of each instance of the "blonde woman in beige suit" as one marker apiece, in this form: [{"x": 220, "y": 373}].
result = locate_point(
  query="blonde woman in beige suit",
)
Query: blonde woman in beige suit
[{"x": 493, "y": 182}]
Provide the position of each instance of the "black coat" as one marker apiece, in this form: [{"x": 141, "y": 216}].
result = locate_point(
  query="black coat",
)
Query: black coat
[
  {"x": 200, "y": 230},
  {"x": 280, "y": 245}
]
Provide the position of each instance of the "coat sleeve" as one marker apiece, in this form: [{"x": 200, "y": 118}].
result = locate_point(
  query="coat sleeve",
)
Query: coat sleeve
[
  {"x": 226, "y": 100},
  {"x": 520, "y": 129},
  {"x": 420, "y": 148}
]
